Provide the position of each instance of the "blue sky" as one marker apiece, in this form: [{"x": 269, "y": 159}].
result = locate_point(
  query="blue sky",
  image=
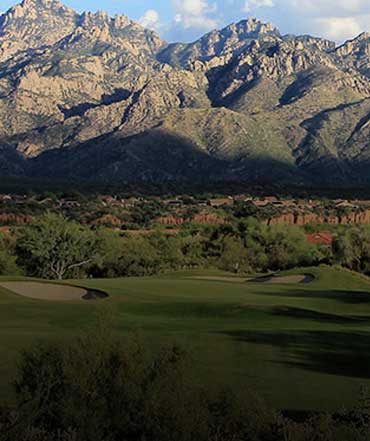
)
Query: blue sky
[{"x": 186, "y": 20}]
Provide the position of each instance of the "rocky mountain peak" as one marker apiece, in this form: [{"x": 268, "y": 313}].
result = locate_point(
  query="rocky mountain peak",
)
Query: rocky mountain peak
[
  {"x": 219, "y": 44},
  {"x": 361, "y": 42},
  {"x": 34, "y": 23},
  {"x": 252, "y": 27},
  {"x": 99, "y": 18},
  {"x": 33, "y": 9},
  {"x": 355, "y": 53},
  {"x": 29, "y": 4}
]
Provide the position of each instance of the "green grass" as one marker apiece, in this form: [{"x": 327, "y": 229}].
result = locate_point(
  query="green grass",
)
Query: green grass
[{"x": 299, "y": 346}]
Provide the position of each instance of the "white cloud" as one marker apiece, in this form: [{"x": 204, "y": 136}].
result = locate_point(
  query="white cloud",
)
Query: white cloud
[
  {"x": 250, "y": 4},
  {"x": 198, "y": 14},
  {"x": 334, "y": 19},
  {"x": 150, "y": 19},
  {"x": 337, "y": 28}
]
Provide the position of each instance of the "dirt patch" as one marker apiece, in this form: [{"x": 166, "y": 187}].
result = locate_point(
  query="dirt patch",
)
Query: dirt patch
[
  {"x": 50, "y": 291},
  {"x": 299, "y": 278}
]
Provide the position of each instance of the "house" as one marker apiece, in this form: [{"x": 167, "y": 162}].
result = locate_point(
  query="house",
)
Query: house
[
  {"x": 344, "y": 204},
  {"x": 129, "y": 203},
  {"x": 242, "y": 198},
  {"x": 69, "y": 204},
  {"x": 325, "y": 238},
  {"x": 220, "y": 202},
  {"x": 363, "y": 203},
  {"x": 260, "y": 203},
  {"x": 5, "y": 198},
  {"x": 173, "y": 203},
  {"x": 271, "y": 199},
  {"x": 288, "y": 203}
]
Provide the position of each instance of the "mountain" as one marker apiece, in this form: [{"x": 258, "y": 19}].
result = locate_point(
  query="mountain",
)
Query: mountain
[{"x": 95, "y": 97}]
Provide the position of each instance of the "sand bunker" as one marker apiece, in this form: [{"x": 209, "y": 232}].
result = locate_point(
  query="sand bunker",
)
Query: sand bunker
[
  {"x": 299, "y": 278},
  {"x": 50, "y": 291}
]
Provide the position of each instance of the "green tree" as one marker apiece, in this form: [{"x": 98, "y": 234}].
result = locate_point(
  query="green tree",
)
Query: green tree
[
  {"x": 8, "y": 265},
  {"x": 53, "y": 247},
  {"x": 234, "y": 256},
  {"x": 352, "y": 249}
]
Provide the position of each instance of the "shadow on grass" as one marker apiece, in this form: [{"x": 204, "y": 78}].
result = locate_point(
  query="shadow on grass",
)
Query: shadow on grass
[
  {"x": 300, "y": 313},
  {"x": 335, "y": 353},
  {"x": 348, "y": 297}
]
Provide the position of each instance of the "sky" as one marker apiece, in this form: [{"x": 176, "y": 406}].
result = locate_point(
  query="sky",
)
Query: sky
[{"x": 186, "y": 20}]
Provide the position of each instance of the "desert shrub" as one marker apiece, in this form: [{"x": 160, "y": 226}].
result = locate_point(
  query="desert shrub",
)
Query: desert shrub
[{"x": 100, "y": 389}]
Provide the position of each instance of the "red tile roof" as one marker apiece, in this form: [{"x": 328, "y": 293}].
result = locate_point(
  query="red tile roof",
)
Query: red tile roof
[{"x": 321, "y": 238}]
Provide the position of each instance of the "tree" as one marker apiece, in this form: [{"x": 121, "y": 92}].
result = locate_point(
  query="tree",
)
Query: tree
[
  {"x": 8, "y": 264},
  {"x": 234, "y": 256},
  {"x": 352, "y": 249},
  {"x": 53, "y": 247}
]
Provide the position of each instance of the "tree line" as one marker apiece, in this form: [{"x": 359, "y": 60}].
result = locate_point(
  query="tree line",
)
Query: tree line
[{"x": 54, "y": 247}]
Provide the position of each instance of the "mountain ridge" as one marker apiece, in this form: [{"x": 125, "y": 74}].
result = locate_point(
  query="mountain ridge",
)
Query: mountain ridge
[{"x": 93, "y": 96}]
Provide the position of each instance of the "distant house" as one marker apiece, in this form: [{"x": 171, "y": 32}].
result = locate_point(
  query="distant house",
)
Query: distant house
[
  {"x": 45, "y": 201},
  {"x": 5, "y": 230},
  {"x": 220, "y": 202},
  {"x": 108, "y": 200},
  {"x": 344, "y": 204},
  {"x": 321, "y": 238},
  {"x": 362, "y": 203},
  {"x": 173, "y": 203},
  {"x": 242, "y": 198},
  {"x": 130, "y": 202},
  {"x": 271, "y": 199},
  {"x": 288, "y": 203},
  {"x": 69, "y": 204},
  {"x": 5, "y": 198},
  {"x": 261, "y": 203},
  {"x": 308, "y": 203}
]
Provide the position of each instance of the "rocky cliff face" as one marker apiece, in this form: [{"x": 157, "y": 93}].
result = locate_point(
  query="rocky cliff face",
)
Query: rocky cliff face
[{"x": 97, "y": 97}]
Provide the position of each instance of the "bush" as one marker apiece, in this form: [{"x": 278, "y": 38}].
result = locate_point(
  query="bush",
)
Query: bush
[{"x": 100, "y": 389}]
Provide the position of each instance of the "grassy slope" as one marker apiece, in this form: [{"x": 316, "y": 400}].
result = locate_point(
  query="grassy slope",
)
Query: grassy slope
[{"x": 300, "y": 346}]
